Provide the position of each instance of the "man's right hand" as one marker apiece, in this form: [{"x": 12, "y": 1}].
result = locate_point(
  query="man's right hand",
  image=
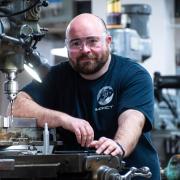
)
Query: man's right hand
[{"x": 82, "y": 129}]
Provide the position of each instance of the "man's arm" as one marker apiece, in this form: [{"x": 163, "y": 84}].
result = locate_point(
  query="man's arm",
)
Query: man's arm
[
  {"x": 130, "y": 125},
  {"x": 24, "y": 106}
]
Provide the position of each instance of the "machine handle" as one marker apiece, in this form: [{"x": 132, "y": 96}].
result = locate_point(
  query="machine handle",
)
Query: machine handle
[{"x": 107, "y": 173}]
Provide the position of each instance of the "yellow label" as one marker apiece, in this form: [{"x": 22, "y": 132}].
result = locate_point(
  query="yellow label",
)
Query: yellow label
[{"x": 113, "y": 6}]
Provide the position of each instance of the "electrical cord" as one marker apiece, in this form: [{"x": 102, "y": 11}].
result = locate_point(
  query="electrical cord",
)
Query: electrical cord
[{"x": 20, "y": 12}]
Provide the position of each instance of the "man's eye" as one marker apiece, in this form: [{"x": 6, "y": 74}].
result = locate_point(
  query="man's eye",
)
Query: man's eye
[
  {"x": 93, "y": 40},
  {"x": 75, "y": 43}
]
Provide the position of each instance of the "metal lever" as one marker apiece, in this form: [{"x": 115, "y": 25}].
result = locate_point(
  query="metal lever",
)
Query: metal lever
[
  {"x": 107, "y": 173},
  {"x": 141, "y": 172}
]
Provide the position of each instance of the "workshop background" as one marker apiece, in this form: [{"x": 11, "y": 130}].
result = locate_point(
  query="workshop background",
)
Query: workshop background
[{"x": 157, "y": 48}]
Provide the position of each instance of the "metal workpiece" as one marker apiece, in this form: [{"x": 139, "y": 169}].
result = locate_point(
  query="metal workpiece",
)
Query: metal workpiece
[
  {"x": 18, "y": 131},
  {"x": 7, "y": 164},
  {"x": 4, "y": 122},
  {"x": 17, "y": 122}
]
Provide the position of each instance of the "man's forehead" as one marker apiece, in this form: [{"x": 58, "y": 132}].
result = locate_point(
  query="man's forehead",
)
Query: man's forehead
[{"x": 83, "y": 30}]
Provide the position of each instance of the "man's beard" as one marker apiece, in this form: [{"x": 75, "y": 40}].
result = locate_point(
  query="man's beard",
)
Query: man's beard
[{"x": 89, "y": 67}]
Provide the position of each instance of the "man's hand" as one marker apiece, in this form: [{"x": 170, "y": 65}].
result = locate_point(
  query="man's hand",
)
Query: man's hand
[
  {"x": 82, "y": 129},
  {"x": 106, "y": 146}
]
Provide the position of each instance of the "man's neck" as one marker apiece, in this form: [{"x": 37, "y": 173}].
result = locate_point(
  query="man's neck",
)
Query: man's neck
[{"x": 98, "y": 74}]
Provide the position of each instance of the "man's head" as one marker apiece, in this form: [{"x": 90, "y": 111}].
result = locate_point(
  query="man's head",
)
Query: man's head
[{"x": 88, "y": 43}]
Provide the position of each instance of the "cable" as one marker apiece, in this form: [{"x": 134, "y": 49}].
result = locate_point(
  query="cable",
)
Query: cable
[{"x": 23, "y": 11}]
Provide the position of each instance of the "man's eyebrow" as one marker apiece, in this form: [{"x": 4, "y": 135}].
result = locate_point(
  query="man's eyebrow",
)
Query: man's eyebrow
[
  {"x": 86, "y": 37},
  {"x": 74, "y": 39}
]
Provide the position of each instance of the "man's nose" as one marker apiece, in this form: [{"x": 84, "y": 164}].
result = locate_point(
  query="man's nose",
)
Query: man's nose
[{"x": 85, "y": 47}]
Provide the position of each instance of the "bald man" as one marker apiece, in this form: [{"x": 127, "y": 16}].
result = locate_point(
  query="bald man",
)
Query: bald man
[{"x": 96, "y": 99}]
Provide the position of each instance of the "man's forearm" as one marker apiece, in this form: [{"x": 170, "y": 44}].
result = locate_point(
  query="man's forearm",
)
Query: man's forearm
[
  {"x": 130, "y": 125},
  {"x": 24, "y": 106}
]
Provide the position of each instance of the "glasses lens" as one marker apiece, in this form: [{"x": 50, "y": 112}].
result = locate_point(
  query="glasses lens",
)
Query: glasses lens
[
  {"x": 93, "y": 41},
  {"x": 75, "y": 43}
]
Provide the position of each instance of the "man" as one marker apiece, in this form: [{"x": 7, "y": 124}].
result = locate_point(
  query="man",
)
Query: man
[{"x": 96, "y": 99}]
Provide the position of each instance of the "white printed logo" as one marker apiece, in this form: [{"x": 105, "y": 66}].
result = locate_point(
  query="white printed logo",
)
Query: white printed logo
[{"x": 105, "y": 95}]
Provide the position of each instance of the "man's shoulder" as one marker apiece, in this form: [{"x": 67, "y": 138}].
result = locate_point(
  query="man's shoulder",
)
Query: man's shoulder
[
  {"x": 61, "y": 68},
  {"x": 127, "y": 64},
  {"x": 63, "y": 65},
  {"x": 59, "y": 72}
]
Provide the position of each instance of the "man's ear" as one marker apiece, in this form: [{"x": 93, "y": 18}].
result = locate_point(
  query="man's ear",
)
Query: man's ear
[{"x": 109, "y": 39}]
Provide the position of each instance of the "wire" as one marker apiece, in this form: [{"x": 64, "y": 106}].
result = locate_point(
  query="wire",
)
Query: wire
[{"x": 23, "y": 11}]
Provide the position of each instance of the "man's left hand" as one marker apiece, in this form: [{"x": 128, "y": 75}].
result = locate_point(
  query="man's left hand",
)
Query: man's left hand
[{"x": 106, "y": 146}]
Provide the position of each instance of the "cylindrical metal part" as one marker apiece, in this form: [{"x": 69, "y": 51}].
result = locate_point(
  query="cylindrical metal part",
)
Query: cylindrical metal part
[
  {"x": 161, "y": 82},
  {"x": 11, "y": 86}
]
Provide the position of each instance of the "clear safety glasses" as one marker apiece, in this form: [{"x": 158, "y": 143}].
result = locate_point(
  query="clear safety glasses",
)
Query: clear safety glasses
[{"x": 90, "y": 42}]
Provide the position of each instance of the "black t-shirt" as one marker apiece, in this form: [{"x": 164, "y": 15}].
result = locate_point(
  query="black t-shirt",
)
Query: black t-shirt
[{"x": 126, "y": 85}]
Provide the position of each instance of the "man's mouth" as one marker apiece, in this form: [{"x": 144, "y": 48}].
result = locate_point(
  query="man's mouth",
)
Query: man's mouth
[
  {"x": 86, "y": 59},
  {"x": 89, "y": 57}
]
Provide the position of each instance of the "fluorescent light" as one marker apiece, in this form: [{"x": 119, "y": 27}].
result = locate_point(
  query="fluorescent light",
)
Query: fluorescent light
[{"x": 29, "y": 68}]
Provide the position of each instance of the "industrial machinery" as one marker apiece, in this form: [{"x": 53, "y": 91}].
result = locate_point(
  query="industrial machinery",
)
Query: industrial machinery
[
  {"x": 166, "y": 134},
  {"x": 130, "y": 32},
  {"x": 19, "y": 34},
  {"x": 26, "y": 151}
]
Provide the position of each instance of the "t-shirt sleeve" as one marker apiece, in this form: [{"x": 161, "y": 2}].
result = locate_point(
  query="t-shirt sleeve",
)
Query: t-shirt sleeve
[{"x": 137, "y": 93}]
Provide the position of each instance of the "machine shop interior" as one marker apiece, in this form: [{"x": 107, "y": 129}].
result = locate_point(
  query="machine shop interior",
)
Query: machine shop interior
[{"x": 155, "y": 44}]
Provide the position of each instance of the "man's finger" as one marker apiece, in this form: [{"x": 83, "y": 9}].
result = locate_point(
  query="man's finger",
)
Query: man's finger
[
  {"x": 101, "y": 148},
  {"x": 78, "y": 135},
  {"x": 90, "y": 135},
  {"x": 83, "y": 136},
  {"x": 115, "y": 152},
  {"x": 110, "y": 149}
]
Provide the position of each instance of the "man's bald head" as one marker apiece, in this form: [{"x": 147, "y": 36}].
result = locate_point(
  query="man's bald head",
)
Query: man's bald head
[{"x": 85, "y": 23}]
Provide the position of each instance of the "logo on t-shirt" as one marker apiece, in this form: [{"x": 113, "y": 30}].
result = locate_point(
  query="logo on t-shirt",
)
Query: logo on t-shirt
[{"x": 105, "y": 95}]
